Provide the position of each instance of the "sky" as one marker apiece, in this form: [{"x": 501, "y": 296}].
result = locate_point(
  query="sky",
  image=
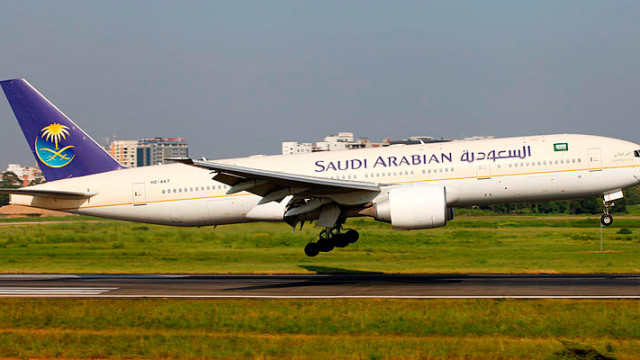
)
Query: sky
[{"x": 237, "y": 78}]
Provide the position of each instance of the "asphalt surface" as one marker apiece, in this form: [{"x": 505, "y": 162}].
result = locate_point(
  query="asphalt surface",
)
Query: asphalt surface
[{"x": 363, "y": 285}]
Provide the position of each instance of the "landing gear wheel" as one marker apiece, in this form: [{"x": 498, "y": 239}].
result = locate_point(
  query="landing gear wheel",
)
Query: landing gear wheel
[
  {"x": 312, "y": 249},
  {"x": 325, "y": 245},
  {"x": 351, "y": 236},
  {"x": 606, "y": 219},
  {"x": 340, "y": 240}
]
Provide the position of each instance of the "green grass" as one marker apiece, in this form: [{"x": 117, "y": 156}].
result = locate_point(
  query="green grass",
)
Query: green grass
[
  {"x": 486, "y": 244},
  {"x": 318, "y": 329}
]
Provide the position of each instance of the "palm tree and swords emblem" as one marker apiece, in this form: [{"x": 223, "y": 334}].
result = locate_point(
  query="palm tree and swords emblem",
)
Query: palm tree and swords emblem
[{"x": 48, "y": 146}]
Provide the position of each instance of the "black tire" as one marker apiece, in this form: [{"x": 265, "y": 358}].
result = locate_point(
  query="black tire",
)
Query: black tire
[
  {"x": 325, "y": 245},
  {"x": 340, "y": 240},
  {"x": 351, "y": 236},
  {"x": 312, "y": 249},
  {"x": 606, "y": 219}
]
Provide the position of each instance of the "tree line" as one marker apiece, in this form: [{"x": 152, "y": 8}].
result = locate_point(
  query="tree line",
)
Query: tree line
[{"x": 590, "y": 205}]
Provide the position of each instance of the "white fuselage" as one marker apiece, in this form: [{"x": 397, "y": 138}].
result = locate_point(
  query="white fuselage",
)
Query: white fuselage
[{"x": 473, "y": 172}]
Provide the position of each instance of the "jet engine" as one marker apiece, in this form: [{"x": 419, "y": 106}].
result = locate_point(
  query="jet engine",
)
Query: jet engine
[{"x": 417, "y": 206}]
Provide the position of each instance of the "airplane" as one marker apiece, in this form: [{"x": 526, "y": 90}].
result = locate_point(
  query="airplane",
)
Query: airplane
[{"x": 410, "y": 186}]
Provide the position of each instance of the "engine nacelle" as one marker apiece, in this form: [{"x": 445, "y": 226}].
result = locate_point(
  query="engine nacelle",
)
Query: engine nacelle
[{"x": 418, "y": 206}]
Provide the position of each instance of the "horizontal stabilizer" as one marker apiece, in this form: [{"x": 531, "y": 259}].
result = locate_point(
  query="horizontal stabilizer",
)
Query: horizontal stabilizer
[{"x": 60, "y": 194}]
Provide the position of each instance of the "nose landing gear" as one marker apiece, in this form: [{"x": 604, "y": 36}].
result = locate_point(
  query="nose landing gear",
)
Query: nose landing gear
[
  {"x": 329, "y": 239},
  {"x": 606, "y": 219}
]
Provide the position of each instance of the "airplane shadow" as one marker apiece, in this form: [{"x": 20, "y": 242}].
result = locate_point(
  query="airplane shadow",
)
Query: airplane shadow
[
  {"x": 345, "y": 277},
  {"x": 334, "y": 270}
]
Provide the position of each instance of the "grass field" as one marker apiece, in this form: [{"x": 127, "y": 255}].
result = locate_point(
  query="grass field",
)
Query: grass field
[
  {"x": 485, "y": 244},
  {"x": 320, "y": 329}
]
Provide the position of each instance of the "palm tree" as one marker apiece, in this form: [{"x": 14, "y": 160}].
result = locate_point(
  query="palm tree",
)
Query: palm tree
[{"x": 55, "y": 131}]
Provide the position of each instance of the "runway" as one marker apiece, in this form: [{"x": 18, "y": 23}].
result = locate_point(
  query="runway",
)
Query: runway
[{"x": 329, "y": 286}]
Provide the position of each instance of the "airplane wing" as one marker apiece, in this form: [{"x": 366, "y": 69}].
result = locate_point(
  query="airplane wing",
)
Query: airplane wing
[
  {"x": 60, "y": 194},
  {"x": 274, "y": 186}
]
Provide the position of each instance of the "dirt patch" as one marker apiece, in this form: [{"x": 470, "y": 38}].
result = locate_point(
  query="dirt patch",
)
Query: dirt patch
[{"x": 16, "y": 211}]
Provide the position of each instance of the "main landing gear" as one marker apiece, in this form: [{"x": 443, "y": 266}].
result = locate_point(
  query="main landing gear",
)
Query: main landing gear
[
  {"x": 606, "y": 219},
  {"x": 331, "y": 238}
]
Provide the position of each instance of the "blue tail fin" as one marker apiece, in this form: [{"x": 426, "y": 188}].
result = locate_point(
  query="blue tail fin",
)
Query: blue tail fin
[{"x": 61, "y": 148}]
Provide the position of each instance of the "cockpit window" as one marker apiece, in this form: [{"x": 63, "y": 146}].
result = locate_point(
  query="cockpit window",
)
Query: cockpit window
[{"x": 636, "y": 153}]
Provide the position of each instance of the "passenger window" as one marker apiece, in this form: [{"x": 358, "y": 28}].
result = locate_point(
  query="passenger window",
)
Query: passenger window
[{"x": 636, "y": 153}]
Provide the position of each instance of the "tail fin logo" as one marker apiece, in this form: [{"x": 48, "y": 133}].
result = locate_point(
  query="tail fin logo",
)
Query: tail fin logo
[{"x": 51, "y": 148}]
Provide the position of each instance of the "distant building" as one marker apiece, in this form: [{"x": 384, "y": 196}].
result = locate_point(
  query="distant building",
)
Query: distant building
[
  {"x": 342, "y": 141},
  {"x": 145, "y": 152},
  {"x": 26, "y": 174},
  {"x": 158, "y": 150},
  {"x": 347, "y": 141},
  {"x": 125, "y": 151},
  {"x": 292, "y": 147}
]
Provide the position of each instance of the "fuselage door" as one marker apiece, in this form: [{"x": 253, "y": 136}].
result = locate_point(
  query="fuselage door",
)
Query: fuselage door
[
  {"x": 139, "y": 197},
  {"x": 484, "y": 171},
  {"x": 595, "y": 160}
]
